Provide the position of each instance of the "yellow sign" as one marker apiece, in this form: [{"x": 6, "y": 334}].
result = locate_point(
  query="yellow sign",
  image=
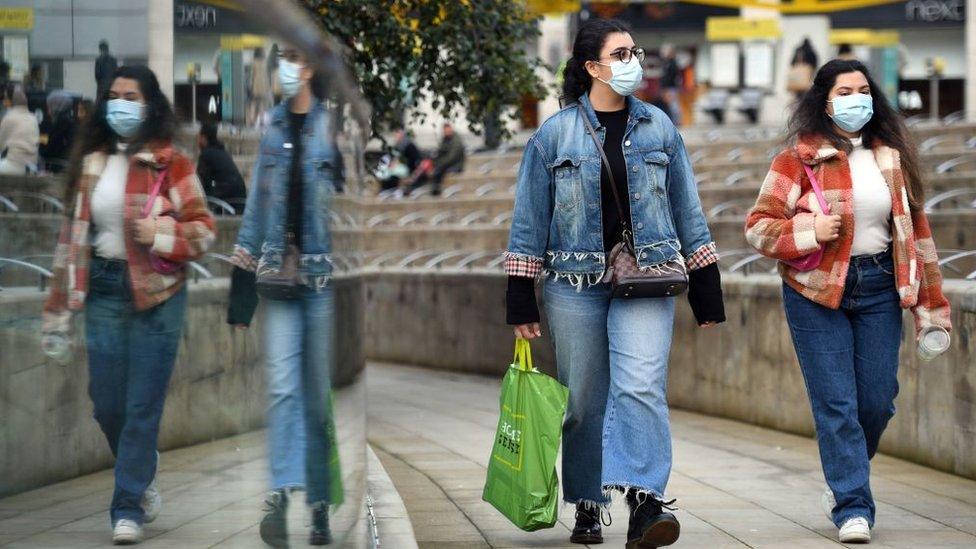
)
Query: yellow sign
[
  {"x": 796, "y": 6},
  {"x": 235, "y": 42},
  {"x": 16, "y": 18},
  {"x": 226, "y": 4},
  {"x": 731, "y": 29},
  {"x": 553, "y": 7},
  {"x": 865, "y": 37}
]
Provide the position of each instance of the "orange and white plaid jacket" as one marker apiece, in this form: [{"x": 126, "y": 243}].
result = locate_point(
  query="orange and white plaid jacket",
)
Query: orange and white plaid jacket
[
  {"x": 781, "y": 226},
  {"x": 185, "y": 230}
]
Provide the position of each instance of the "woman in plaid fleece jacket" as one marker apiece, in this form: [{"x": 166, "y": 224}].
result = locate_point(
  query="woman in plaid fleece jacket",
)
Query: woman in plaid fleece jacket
[
  {"x": 103, "y": 265},
  {"x": 879, "y": 257}
]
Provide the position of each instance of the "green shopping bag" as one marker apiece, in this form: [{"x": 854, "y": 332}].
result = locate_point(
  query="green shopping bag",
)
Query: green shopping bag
[
  {"x": 336, "y": 491},
  {"x": 522, "y": 482}
]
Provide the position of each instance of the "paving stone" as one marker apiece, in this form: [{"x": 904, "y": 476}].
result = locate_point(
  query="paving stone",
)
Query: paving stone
[{"x": 737, "y": 485}]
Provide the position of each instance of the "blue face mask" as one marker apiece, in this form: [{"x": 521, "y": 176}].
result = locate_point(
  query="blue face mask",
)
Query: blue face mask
[
  {"x": 626, "y": 77},
  {"x": 289, "y": 78},
  {"x": 852, "y": 112},
  {"x": 124, "y": 116}
]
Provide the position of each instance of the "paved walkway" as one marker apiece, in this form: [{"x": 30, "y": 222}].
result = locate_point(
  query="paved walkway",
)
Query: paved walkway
[
  {"x": 212, "y": 497},
  {"x": 737, "y": 485}
]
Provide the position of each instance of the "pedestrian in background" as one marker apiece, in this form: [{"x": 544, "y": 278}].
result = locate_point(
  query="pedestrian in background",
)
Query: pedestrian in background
[
  {"x": 19, "y": 134},
  {"x": 671, "y": 82},
  {"x": 611, "y": 352},
  {"x": 802, "y": 67},
  {"x": 105, "y": 66},
  {"x": 58, "y": 131},
  {"x": 449, "y": 158},
  {"x": 216, "y": 168},
  {"x": 135, "y": 215},
  {"x": 845, "y": 313}
]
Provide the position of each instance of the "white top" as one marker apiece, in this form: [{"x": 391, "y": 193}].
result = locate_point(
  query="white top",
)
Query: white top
[
  {"x": 19, "y": 136},
  {"x": 108, "y": 208},
  {"x": 872, "y": 202}
]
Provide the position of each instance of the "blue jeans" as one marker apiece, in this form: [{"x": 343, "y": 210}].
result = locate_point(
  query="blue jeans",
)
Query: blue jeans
[
  {"x": 130, "y": 359},
  {"x": 613, "y": 356},
  {"x": 298, "y": 343},
  {"x": 849, "y": 359}
]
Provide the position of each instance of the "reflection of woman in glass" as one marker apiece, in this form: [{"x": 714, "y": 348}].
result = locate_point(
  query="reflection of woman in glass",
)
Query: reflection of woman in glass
[
  {"x": 124, "y": 267},
  {"x": 286, "y": 224}
]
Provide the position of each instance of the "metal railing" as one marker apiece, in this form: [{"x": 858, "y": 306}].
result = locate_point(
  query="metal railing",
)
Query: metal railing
[
  {"x": 932, "y": 142},
  {"x": 410, "y": 219},
  {"x": 439, "y": 219},
  {"x": 953, "y": 197},
  {"x": 42, "y": 273},
  {"x": 485, "y": 189},
  {"x": 949, "y": 263},
  {"x": 953, "y": 163},
  {"x": 222, "y": 206},
  {"x": 473, "y": 217},
  {"x": 49, "y": 203},
  {"x": 738, "y": 176},
  {"x": 954, "y": 118},
  {"x": 730, "y": 208}
]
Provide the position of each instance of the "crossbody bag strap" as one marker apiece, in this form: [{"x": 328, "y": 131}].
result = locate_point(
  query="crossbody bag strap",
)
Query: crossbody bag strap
[
  {"x": 606, "y": 164},
  {"x": 817, "y": 190},
  {"x": 154, "y": 192}
]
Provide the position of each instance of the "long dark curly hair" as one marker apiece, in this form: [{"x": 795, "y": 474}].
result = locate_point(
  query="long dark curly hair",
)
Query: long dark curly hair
[
  {"x": 586, "y": 47},
  {"x": 96, "y": 135},
  {"x": 810, "y": 119}
]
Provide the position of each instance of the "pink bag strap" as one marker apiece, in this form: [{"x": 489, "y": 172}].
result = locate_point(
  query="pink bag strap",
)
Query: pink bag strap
[
  {"x": 154, "y": 192},
  {"x": 824, "y": 206}
]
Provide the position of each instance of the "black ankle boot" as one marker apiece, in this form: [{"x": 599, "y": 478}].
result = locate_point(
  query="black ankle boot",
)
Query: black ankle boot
[
  {"x": 588, "y": 529},
  {"x": 274, "y": 525},
  {"x": 321, "y": 535},
  {"x": 650, "y": 525}
]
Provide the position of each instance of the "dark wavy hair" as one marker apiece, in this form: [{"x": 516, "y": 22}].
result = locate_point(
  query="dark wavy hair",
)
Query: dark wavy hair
[
  {"x": 96, "y": 135},
  {"x": 810, "y": 119},
  {"x": 586, "y": 47}
]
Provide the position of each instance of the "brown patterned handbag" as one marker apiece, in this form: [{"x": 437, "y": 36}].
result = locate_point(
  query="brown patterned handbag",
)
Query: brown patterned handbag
[{"x": 627, "y": 278}]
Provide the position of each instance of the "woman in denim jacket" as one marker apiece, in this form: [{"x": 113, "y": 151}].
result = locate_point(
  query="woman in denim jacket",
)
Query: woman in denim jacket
[
  {"x": 611, "y": 353},
  {"x": 288, "y": 203}
]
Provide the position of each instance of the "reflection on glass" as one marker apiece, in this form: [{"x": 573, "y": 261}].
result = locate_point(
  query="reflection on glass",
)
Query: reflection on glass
[
  {"x": 203, "y": 430},
  {"x": 283, "y": 253}
]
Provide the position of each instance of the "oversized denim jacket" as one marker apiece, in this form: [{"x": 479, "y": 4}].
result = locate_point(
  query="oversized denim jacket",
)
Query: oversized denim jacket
[
  {"x": 557, "y": 226},
  {"x": 261, "y": 239}
]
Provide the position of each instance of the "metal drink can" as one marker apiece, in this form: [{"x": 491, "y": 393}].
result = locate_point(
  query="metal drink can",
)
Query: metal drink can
[{"x": 933, "y": 342}]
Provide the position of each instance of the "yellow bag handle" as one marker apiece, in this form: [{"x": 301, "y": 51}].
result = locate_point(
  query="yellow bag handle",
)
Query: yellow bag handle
[{"x": 523, "y": 355}]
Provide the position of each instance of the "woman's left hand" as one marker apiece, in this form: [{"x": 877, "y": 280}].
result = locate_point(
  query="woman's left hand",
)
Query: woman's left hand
[
  {"x": 708, "y": 324},
  {"x": 143, "y": 231}
]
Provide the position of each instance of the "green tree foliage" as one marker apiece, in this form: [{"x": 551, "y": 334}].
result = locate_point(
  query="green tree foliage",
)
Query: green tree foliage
[{"x": 460, "y": 54}]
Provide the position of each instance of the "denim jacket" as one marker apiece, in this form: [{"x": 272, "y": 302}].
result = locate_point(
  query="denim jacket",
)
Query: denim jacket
[
  {"x": 557, "y": 225},
  {"x": 261, "y": 239}
]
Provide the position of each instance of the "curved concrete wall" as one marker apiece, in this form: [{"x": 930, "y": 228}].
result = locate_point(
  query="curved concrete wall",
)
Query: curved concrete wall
[
  {"x": 746, "y": 369},
  {"x": 47, "y": 432}
]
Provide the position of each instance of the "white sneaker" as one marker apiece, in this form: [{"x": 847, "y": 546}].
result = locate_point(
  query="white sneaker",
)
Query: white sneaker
[
  {"x": 827, "y": 503},
  {"x": 126, "y": 532},
  {"x": 152, "y": 502},
  {"x": 855, "y": 530}
]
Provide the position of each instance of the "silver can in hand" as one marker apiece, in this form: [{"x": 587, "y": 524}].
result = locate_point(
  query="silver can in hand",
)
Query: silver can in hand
[
  {"x": 57, "y": 347},
  {"x": 933, "y": 342}
]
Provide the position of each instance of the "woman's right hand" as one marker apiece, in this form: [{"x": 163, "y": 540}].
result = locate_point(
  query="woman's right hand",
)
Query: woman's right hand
[
  {"x": 528, "y": 331},
  {"x": 827, "y": 227}
]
